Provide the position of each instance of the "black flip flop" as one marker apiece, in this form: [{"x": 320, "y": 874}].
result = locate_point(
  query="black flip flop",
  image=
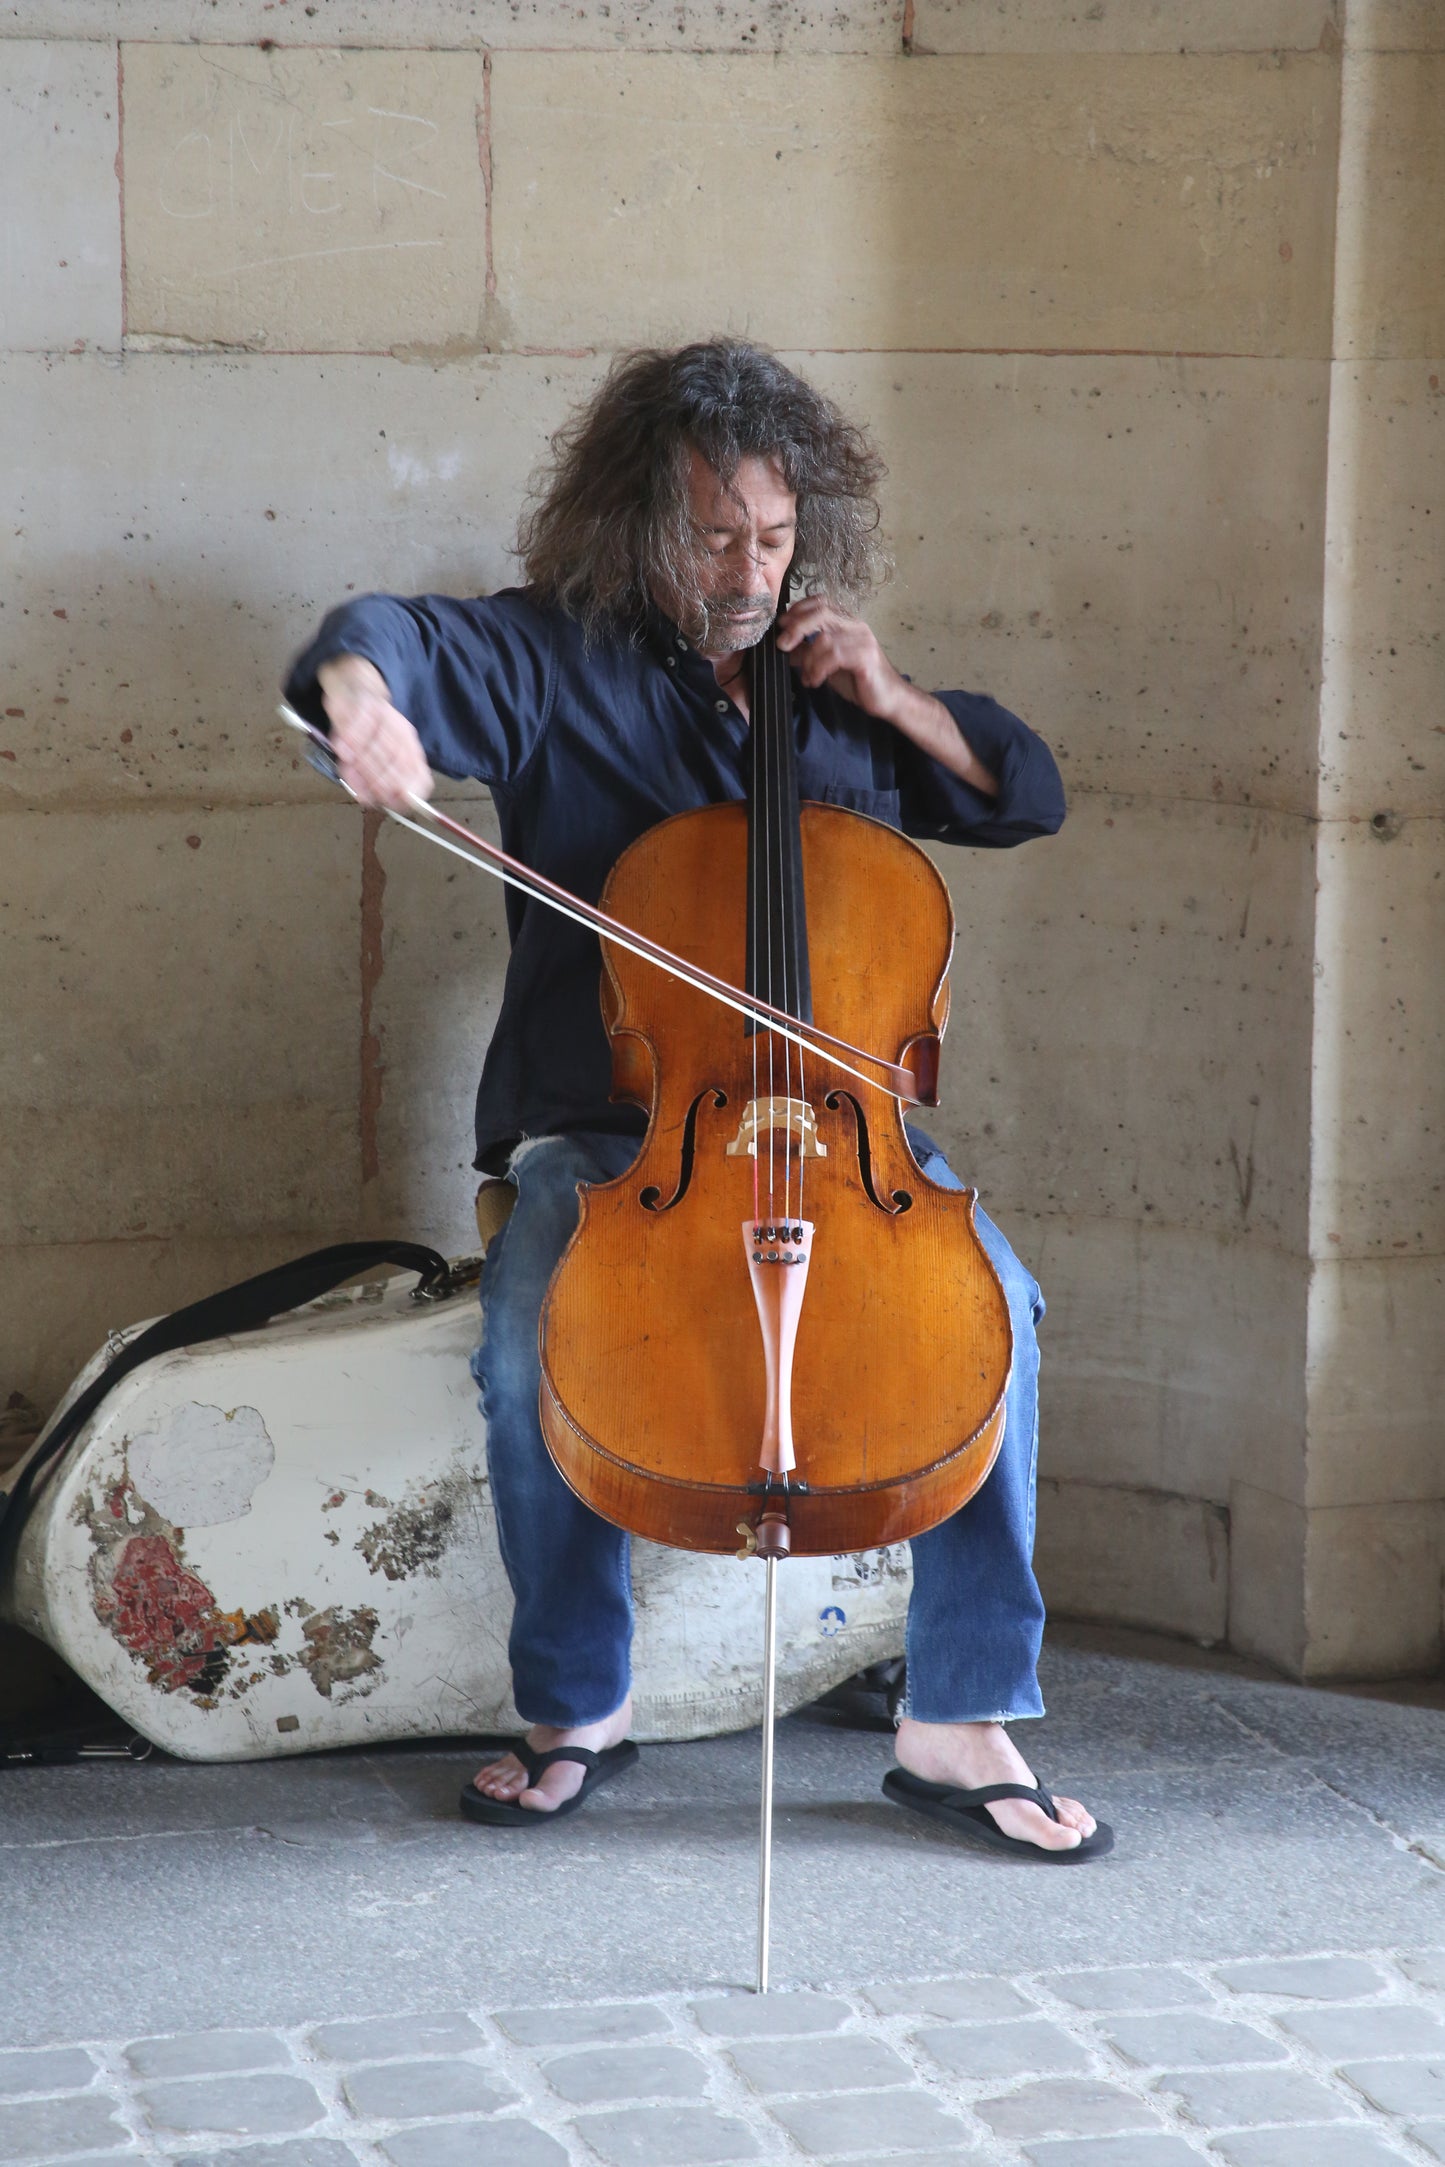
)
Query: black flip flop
[
  {"x": 600, "y": 1768},
  {"x": 966, "y": 1813}
]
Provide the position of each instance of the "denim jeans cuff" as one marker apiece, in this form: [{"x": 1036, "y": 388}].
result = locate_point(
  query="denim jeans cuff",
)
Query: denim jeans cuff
[{"x": 906, "y": 1714}]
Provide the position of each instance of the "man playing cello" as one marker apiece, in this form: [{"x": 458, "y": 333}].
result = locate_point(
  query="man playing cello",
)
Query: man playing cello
[{"x": 603, "y": 696}]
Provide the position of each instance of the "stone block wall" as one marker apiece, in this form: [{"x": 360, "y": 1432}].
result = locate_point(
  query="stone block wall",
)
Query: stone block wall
[{"x": 1141, "y": 300}]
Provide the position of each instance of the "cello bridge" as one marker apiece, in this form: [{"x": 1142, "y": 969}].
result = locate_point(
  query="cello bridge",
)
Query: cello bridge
[{"x": 795, "y": 1116}]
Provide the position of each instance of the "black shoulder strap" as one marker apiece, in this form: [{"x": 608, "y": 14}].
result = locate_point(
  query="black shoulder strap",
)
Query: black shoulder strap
[{"x": 215, "y": 1316}]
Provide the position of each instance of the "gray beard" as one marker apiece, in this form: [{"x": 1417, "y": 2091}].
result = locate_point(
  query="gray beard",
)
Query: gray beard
[{"x": 719, "y": 634}]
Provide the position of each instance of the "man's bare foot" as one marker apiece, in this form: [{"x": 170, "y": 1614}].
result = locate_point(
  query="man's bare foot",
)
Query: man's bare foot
[
  {"x": 972, "y": 1755},
  {"x": 507, "y": 1779}
]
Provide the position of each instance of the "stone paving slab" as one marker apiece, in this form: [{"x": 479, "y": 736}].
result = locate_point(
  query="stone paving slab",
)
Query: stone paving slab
[
  {"x": 1332, "y": 2147},
  {"x": 1215, "y": 2098},
  {"x": 205, "y": 2054},
  {"x": 1340, "y": 1978},
  {"x": 387, "y": 2039},
  {"x": 1404, "y": 2087},
  {"x": 1233, "y": 1846},
  {"x": 45, "y": 2129},
  {"x": 1154, "y": 1986},
  {"x": 1067, "y": 2107},
  {"x": 1114, "y": 2152},
  {"x": 1136, "y": 2066},
  {"x": 294, "y": 2152},
  {"x": 57, "y": 2069}
]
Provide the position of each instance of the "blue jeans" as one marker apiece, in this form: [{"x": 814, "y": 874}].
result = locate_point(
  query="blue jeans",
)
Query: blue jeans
[{"x": 975, "y": 1621}]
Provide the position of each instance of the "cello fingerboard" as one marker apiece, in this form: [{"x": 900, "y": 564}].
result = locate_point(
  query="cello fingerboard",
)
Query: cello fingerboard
[{"x": 777, "y": 968}]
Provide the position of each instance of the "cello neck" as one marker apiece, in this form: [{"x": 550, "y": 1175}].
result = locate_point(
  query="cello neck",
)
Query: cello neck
[{"x": 777, "y": 916}]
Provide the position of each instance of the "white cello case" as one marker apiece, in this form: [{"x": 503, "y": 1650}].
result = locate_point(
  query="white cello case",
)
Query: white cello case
[{"x": 284, "y": 1541}]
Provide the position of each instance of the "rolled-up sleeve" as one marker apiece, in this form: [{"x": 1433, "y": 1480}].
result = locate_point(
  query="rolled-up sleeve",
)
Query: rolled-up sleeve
[
  {"x": 474, "y": 678},
  {"x": 938, "y": 805}
]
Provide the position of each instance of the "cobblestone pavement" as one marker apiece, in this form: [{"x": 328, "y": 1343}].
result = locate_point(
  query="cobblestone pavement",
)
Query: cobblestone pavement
[{"x": 1315, "y": 2061}]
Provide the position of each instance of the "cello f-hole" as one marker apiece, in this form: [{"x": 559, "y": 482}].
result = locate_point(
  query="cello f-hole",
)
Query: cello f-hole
[
  {"x": 900, "y": 1200},
  {"x": 650, "y": 1197}
]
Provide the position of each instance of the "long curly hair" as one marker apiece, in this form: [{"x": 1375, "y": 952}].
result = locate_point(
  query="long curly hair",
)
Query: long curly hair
[{"x": 609, "y": 523}]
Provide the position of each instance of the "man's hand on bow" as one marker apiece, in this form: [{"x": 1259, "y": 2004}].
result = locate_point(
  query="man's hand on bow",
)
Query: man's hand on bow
[
  {"x": 377, "y": 750},
  {"x": 827, "y": 647}
]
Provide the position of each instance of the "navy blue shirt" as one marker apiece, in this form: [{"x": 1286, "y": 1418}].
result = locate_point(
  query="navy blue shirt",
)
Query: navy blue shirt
[{"x": 586, "y": 747}]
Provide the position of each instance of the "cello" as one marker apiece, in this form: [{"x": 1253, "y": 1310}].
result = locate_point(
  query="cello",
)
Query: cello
[{"x": 773, "y": 1334}]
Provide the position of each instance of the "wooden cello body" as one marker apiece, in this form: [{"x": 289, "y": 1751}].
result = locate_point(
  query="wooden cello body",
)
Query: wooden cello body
[{"x": 774, "y": 1325}]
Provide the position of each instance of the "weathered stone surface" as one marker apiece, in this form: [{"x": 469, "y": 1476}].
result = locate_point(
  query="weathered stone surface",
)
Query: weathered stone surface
[
  {"x": 299, "y": 2152},
  {"x": 1308, "y": 2147},
  {"x": 819, "y": 2065},
  {"x": 506, "y": 2143},
  {"x": 1152, "y": 1986},
  {"x": 1190, "y": 2041},
  {"x": 608, "y": 2073},
  {"x": 60, "y": 260},
  {"x": 772, "y": 2016},
  {"x": 1391, "y": 300},
  {"x": 173, "y": 529},
  {"x": 205, "y": 2054},
  {"x": 1160, "y": 1411},
  {"x": 1399, "y": 2087},
  {"x": 1140, "y": 2151},
  {"x": 1033, "y": 504},
  {"x": 231, "y": 919},
  {"x": 1340, "y": 1591},
  {"x": 44, "y": 2129},
  {"x": 1123, "y": 26},
  {"x": 843, "y": 26},
  {"x": 382, "y": 2039},
  {"x": 617, "y": 182},
  {"x": 1378, "y": 1103},
  {"x": 1189, "y": 925},
  {"x": 579, "y": 2026},
  {"x": 958, "y": 2000},
  {"x": 248, "y": 2106},
  {"x": 403, "y": 2091},
  {"x": 54, "y": 2069},
  {"x": 1373, "y": 1574},
  {"x": 435, "y": 989},
  {"x": 1366, "y": 1557},
  {"x": 1003, "y": 2050},
  {"x": 1382, "y": 753},
  {"x": 1357, "y": 2033},
  {"x": 299, "y": 199},
  {"x": 1305, "y": 1978},
  {"x": 1066, "y": 2107},
  {"x": 1133, "y": 1557},
  {"x": 667, "y": 2137},
  {"x": 1267, "y": 1537},
  {"x": 1221, "y": 2098},
  {"x": 898, "y": 2121},
  {"x": 1413, "y": 26}
]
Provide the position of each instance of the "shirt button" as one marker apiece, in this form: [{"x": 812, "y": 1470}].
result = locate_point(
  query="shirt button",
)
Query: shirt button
[
  {"x": 721, "y": 706},
  {"x": 671, "y": 661},
  {"x": 683, "y": 645}
]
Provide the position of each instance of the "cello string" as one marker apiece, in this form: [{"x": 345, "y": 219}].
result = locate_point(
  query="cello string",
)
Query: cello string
[
  {"x": 788, "y": 711},
  {"x": 775, "y": 994},
  {"x": 792, "y": 932},
  {"x": 752, "y": 918},
  {"x": 765, "y": 769},
  {"x": 786, "y": 927}
]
